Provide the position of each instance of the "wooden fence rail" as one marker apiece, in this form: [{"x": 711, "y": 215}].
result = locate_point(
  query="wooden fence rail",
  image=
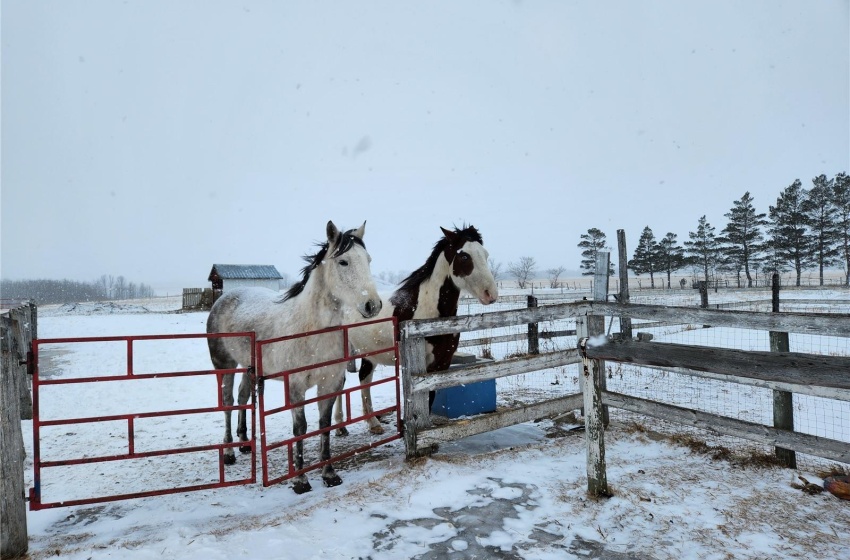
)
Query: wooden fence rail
[{"x": 824, "y": 376}]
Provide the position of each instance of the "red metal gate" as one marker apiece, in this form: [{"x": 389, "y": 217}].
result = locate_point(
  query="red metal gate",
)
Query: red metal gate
[
  {"x": 267, "y": 446},
  {"x": 89, "y": 385}
]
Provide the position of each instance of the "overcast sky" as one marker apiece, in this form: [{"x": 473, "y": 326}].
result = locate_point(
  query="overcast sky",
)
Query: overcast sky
[{"x": 152, "y": 139}]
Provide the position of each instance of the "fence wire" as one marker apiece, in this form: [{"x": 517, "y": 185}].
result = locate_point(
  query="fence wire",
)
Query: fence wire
[{"x": 829, "y": 418}]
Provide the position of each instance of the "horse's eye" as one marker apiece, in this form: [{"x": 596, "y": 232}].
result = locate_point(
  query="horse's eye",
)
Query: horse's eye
[
  {"x": 343, "y": 262},
  {"x": 464, "y": 257}
]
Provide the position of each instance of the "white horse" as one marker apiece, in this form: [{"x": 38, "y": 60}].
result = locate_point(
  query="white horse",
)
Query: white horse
[
  {"x": 336, "y": 286},
  {"x": 458, "y": 263}
]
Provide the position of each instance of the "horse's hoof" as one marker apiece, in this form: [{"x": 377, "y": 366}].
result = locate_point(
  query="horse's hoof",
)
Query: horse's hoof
[
  {"x": 343, "y": 431},
  {"x": 377, "y": 430},
  {"x": 333, "y": 480},
  {"x": 230, "y": 459},
  {"x": 301, "y": 486},
  {"x": 245, "y": 448}
]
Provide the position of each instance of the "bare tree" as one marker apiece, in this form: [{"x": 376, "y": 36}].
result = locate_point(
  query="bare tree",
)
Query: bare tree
[
  {"x": 522, "y": 270},
  {"x": 554, "y": 275}
]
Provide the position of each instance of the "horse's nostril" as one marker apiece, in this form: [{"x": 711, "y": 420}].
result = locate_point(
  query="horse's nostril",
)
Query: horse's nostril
[{"x": 370, "y": 307}]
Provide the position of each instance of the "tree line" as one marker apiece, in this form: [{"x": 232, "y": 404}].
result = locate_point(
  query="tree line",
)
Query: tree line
[
  {"x": 43, "y": 292},
  {"x": 806, "y": 229}
]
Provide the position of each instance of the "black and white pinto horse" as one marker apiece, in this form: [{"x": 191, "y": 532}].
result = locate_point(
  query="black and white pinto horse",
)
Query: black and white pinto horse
[
  {"x": 336, "y": 287},
  {"x": 458, "y": 263}
]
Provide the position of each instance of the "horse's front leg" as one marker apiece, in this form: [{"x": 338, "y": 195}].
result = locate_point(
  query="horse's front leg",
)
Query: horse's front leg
[
  {"x": 299, "y": 427},
  {"x": 329, "y": 475},
  {"x": 227, "y": 400},
  {"x": 244, "y": 393},
  {"x": 367, "y": 370}
]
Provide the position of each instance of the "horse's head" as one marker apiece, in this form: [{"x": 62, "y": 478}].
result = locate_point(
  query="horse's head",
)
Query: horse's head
[
  {"x": 468, "y": 259},
  {"x": 346, "y": 272}
]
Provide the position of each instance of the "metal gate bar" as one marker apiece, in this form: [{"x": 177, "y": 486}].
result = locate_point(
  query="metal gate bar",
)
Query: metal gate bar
[
  {"x": 346, "y": 356},
  {"x": 36, "y": 502}
]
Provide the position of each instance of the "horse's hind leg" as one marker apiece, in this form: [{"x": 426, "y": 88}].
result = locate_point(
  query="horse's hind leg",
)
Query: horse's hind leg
[
  {"x": 244, "y": 394},
  {"x": 367, "y": 369},
  {"x": 222, "y": 360},
  {"x": 329, "y": 475}
]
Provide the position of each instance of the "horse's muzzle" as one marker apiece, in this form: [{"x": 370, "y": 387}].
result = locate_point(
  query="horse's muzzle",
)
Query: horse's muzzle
[{"x": 371, "y": 308}]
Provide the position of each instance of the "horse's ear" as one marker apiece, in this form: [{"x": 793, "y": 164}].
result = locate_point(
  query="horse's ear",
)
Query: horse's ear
[
  {"x": 360, "y": 232},
  {"x": 333, "y": 233},
  {"x": 450, "y": 235}
]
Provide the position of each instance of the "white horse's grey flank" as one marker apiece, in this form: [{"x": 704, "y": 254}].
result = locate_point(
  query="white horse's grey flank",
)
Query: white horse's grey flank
[{"x": 336, "y": 286}]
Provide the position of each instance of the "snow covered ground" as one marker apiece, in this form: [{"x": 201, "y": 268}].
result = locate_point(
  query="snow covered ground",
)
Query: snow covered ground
[{"x": 514, "y": 493}]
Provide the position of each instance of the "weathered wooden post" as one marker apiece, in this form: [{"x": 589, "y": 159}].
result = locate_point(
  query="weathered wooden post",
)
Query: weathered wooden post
[
  {"x": 13, "y": 510},
  {"x": 24, "y": 320},
  {"x": 533, "y": 334},
  {"x": 412, "y": 351},
  {"x": 596, "y": 323},
  {"x": 594, "y": 425},
  {"x": 625, "y": 322},
  {"x": 783, "y": 401}
]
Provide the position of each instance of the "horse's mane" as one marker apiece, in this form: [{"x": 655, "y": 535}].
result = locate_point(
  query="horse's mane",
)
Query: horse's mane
[
  {"x": 412, "y": 282},
  {"x": 344, "y": 242}
]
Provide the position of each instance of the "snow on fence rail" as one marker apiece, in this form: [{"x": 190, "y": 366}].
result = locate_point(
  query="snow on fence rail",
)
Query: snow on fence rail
[{"x": 826, "y": 377}]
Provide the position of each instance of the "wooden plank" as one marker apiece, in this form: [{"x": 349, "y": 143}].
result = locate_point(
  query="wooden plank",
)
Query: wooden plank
[
  {"x": 491, "y": 370},
  {"x": 786, "y": 367},
  {"x": 500, "y": 419},
  {"x": 825, "y": 324},
  {"x": 13, "y": 510},
  {"x": 811, "y": 390},
  {"x": 802, "y": 443}
]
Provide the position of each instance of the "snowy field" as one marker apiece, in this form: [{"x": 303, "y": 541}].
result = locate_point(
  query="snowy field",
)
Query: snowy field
[{"x": 514, "y": 493}]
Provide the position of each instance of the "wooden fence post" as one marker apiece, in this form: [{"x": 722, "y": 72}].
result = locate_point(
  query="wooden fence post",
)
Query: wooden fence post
[
  {"x": 412, "y": 351},
  {"x": 625, "y": 322},
  {"x": 24, "y": 320},
  {"x": 594, "y": 425},
  {"x": 596, "y": 323},
  {"x": 13, "y": 510},
  {"x": 533, "y": 335},
  {"x": 783, "y": 401}
]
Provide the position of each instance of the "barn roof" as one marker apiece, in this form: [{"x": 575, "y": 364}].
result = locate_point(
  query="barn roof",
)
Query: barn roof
[{"x": 244, "y": 272}]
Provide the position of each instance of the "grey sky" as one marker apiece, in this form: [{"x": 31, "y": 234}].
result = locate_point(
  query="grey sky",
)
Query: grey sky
[{"x": 154, "y": 138}]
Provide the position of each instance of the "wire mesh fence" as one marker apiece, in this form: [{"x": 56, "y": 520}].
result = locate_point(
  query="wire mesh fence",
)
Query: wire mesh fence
[{"x": 829, "y": 418}]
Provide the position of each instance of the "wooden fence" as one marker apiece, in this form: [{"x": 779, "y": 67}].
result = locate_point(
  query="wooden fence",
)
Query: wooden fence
[
  {"x": 198, "y": 298},
  {"x": 823, "y": 376},
  {"x": 18, "y": 327}
]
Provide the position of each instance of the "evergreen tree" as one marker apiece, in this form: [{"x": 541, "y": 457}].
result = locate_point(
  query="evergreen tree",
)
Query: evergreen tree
[
  {"x": 646, "y": 256},
  {"x": 841, "y": 202},
  {"x": 671, "y": 256},
  {"x": 703, "y": 248},
  {"x": 790, "y": 240},
  {"x": 592, "y": 243},
  {"x": 742, "y": 240},
  {"x": 821, "y": 216}
]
